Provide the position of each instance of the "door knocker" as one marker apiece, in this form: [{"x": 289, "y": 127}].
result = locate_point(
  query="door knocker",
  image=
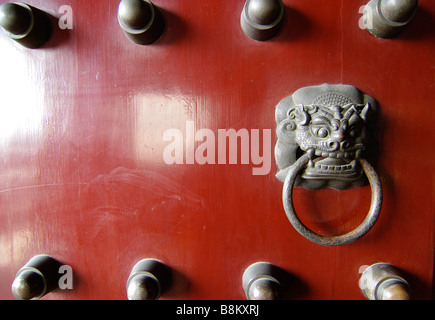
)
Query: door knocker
[{"x": 323, "y": 134}]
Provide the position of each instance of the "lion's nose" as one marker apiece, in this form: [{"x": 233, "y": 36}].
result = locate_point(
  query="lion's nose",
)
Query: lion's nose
[
  {"x": 344, "y": 145},
  {"x": 333, "y": 145}
]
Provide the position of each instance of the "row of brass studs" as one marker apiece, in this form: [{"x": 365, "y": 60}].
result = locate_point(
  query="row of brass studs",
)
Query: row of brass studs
[{"x": 143, "y": 22}]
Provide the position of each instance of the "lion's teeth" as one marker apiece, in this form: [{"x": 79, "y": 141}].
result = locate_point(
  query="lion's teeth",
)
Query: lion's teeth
[{"x": 311, "y": 152}]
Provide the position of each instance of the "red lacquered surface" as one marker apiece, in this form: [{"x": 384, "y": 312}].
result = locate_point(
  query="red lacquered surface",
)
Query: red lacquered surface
[{"x": 82, "y": 175}]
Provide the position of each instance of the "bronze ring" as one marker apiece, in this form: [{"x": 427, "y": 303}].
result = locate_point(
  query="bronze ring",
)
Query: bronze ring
[{"x": 347, "y": 238}]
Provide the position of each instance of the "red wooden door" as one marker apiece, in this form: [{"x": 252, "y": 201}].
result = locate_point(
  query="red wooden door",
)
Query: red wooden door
[{"x": 83, "y": 176}]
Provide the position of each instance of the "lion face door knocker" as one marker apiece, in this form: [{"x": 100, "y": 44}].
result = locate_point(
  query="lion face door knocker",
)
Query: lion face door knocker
[{"x": 323, "y": 133}]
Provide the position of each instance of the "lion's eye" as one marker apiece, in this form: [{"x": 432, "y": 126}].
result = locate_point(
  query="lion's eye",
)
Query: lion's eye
[
  {"x": 320, "y": 132},
  {"x": 354, "y": 132}
]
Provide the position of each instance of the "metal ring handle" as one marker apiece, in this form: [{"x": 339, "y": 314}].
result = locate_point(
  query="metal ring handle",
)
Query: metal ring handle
[{"x": 347, "y": 238}]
